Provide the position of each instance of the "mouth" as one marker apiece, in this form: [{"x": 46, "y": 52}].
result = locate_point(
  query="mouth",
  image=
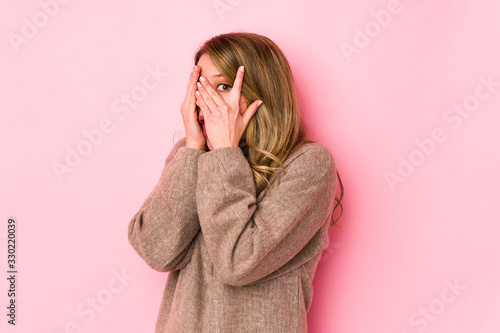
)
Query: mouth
[{"x": 202, "y": 122}]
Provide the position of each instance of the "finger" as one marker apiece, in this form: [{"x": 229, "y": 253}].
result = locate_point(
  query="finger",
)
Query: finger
[
  {"x": 238, "y": 82},
  {"x": 250, "y": 111},
  {"x": 201, "y": 104},
  {"x": 190, "y": 93},
  {"x": 207, "y": 99},
  {"x": 193, "y": 77},
  {"x": 211, "y": 91},
  {"x": 192, "y": 98}
]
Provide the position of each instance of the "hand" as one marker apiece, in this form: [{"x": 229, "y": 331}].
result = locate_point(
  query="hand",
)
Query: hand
[
  {"x": 194, "y": 133},
  {"x": 225, "y": 120}
]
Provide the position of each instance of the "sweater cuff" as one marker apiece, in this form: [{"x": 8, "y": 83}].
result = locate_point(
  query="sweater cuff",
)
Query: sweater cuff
[
  {"x": 189, "y": 154},
  {"x": 229, "y": 165},
  {"x": 225, "y": 152},
  {"x": 184, "y": 156},
  {"x": 192, "y": 151},
  {"x": 225, "y": 157}
]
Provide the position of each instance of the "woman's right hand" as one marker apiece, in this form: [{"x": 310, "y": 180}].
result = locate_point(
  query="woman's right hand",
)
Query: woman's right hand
[{"x": 194, "y": 133}]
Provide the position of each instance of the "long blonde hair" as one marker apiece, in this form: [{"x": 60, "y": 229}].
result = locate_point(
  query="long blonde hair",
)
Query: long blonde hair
[{"x": 268, "y": 77}]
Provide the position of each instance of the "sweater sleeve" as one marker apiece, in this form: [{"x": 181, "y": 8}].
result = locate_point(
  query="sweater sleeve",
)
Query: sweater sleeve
[
  {"x": 163, "y": 229},
  {"x": 250, "y": 241}
]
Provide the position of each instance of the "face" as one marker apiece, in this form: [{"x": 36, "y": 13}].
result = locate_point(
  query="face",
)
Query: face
[{"x": 219, "y": 84}]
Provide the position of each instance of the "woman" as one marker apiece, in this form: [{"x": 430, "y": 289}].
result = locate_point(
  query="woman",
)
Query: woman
[{"x": 241, "y": 255}]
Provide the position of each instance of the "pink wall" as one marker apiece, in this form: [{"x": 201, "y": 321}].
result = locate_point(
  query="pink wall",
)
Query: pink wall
[{"x": 405, "y": 93}]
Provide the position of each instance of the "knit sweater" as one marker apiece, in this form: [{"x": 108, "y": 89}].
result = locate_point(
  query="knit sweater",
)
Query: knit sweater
[{"x": 237, "y": 262}]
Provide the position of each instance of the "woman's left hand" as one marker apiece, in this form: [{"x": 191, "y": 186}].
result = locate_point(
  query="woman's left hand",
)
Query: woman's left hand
[{"x": 225, "y": 121}]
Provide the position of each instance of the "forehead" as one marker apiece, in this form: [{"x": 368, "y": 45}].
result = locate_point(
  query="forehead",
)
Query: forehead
[{"x": 207, "y": 66}]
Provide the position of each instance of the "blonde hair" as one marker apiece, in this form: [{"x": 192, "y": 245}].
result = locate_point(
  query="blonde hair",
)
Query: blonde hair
[{"x": 268, "y": 77}]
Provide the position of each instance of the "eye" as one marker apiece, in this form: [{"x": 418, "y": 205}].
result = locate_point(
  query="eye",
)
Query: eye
[{"x": 225, "y": 86}]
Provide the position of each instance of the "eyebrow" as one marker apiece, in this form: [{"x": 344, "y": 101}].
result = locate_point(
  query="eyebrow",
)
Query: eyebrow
[{"x": 217, "y": 75}]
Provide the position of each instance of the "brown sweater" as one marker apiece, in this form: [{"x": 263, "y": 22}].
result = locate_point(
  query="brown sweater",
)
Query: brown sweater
[{"x": 237, "y": 262}]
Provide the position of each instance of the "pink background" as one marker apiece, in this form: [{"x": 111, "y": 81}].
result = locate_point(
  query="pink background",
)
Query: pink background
[{"x": 420, "y": 255}]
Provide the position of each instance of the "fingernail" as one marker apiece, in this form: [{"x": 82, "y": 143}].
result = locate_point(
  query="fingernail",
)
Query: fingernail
[
  {"x": 199, "y": 84},
  {"x": 202, "y": 78},
  {"x": 259, "y": 103},
  {"x": 242, "y": 69}
]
